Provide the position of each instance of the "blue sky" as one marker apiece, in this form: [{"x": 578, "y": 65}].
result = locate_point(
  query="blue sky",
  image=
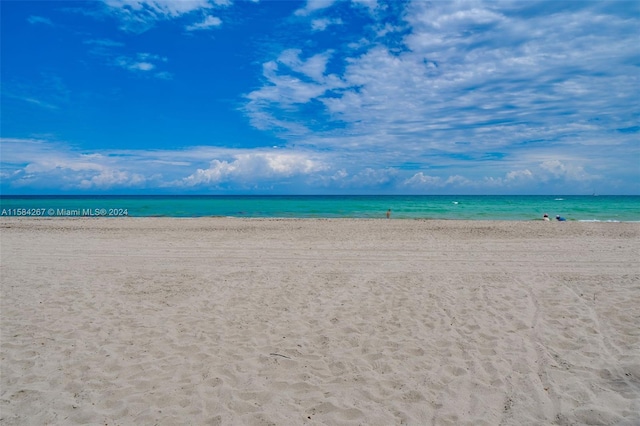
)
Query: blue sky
[{"x": 320, "y": 97}]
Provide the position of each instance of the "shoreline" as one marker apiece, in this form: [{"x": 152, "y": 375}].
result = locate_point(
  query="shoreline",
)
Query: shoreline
[
  {"x": 418, "y": 219},
  {"x": 320, "y": 321}
]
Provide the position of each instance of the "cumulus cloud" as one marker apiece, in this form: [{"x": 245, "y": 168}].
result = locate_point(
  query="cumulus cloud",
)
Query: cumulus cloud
[
  {"x": 43, "y": 164},
  {"x": 370, "y": 177},
  {"x": 519, "y": 175},
  {"x": 420, "y": 180},
  {"x": 558, "y": 169},
  {"x": 354, "y": 177},
  {"x": 424, "y": 182},
  {"x": 112, "y": 178},
  {"x": 255, "y": 166},
  {"x": 47, "y": 164},
  {"x": 512, "y": 179}
]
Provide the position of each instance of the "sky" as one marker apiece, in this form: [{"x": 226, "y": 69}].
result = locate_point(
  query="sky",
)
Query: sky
[{"x": 319, "y": 97}]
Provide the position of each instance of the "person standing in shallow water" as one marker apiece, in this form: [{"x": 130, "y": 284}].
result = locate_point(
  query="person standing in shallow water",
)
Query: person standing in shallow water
[{"x": 389, "y": 214}]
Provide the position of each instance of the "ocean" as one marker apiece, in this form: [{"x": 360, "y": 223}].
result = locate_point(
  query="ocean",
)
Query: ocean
[{"x": 455, "y": 207}]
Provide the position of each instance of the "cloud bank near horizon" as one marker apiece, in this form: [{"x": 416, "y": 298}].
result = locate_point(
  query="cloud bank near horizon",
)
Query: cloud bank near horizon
[{"x": 359, "y": 97}]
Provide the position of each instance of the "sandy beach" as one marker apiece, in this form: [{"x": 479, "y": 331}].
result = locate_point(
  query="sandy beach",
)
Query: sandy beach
[{"x": 222, "y": 321}]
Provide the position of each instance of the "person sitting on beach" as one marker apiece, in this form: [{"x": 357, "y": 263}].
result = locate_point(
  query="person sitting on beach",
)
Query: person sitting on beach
[
  {"x": 545, "y": 217},
  {"x": 560, "y": 218}
]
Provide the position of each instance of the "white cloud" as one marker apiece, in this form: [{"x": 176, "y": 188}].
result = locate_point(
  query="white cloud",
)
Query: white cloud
[
  {"x": 39, "y": 103},
  {"x": 558, "y": 169},
  {"x": 470, "y": 82},
  {"x": 537, "y": 98},
  {"x": 255, "y": 167},
  {"x": 164, "y": 75},
  {"x": 112, "y": 178},
  {"x": 370, "y": 177},
  {"x": 47, "y": 91},
  {"x": 208, "y": 23},
  {"x": 370, "y": 4},
  {"x": 420, "y": 180},
  {"x": 291, "y": 81},
  {"x": 288, "y": 90},
  {"x": 105, "y": 42},
  {"x": 142, "y": 66},
  {"x": 322, "y": 24},
  {"x": 140, "y": 15},
  {"x": 457, "y": 180},
  {"x": 159, "y": 8},
  {"x": 42, "y": 164},
  {"x": 313, "y": 6},
  {"x": 313, "y": 67},
  {"x": 142, "y": 62},
  {"x": 512, "y": 179},
  {"x": 38, "y": 163},
  {"x": 452, "y": 17},
  {"x": 387, "y": 29},
  {"x": 519, "y": 175},
  {"x": 39, "y": 20}
]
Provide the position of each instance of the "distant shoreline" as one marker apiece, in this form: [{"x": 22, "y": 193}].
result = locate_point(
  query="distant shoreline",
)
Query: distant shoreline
[{"x": 511, "y": 208}]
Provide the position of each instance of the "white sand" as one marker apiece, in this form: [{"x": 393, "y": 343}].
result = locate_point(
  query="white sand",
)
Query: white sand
[{"x": 339, "y": 322}]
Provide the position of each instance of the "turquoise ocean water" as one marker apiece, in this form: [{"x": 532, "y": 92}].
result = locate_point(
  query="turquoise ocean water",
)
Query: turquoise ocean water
[{"x": 468, "y": 207}]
